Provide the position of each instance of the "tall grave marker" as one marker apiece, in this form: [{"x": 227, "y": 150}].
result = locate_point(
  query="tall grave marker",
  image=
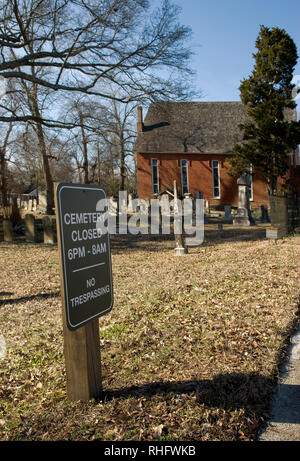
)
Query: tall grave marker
[{"x": 86, "y": 283}]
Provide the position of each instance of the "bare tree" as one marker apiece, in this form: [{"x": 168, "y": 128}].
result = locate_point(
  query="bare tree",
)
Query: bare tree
[
  {"x": 118, "y": 130},
  {"x": 56, "y": 47},
  {"x": 3, "y": 164},
  {"x": 84, "y": 45}
]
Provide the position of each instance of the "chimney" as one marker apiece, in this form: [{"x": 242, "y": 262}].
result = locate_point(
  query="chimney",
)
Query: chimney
[{"x": 140, "y": 124}]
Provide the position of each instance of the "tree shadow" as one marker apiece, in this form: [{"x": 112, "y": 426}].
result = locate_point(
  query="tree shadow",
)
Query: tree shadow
[
  {"x": 5, "y": 293},
  {"x": 251, "y": 393},
  {"x": 28, "y": 298},
  {"x": 227, "y": 391},
  {"x": 150, "y": 242}
]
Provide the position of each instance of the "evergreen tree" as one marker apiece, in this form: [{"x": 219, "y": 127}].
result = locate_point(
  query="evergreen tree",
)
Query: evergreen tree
[{"x": 268, "y": 95}]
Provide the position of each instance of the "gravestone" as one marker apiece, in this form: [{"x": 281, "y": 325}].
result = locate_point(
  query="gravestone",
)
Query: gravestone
[
  {"x": 198, "y": 194},
  {"x": 1, "y": 229},
  {"x": 7, "y": 230},
  {"x": 48, "y": 227},
  {"x": 42, "y": 202},
  {"x": 39, "y": 231},
  {"x": 279, "y": 214},
  {"x": 220, "y": 229},
  {"x": 206, "y": 206},
  {"x": 165, "y": 205},
  {"x": 112, "y": 216},
  {"x": 264, "y": 214},
  {"x": 30, "y": 227},
  {"x": 228, "y": 216},
  {"x": 129, "y": 204},
  {"x": 243, "y": 216}
]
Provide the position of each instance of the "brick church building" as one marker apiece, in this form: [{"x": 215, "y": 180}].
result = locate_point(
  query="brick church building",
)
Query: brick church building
[{"x": 189, "y": 142}]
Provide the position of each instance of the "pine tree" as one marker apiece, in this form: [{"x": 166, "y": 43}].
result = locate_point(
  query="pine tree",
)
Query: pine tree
[{"x": 268, "y": 94}]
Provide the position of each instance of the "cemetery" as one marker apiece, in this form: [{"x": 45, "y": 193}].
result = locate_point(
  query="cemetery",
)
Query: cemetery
[
  {"x": 149, "y": 282},
  {"x": 190, "y": 350}
]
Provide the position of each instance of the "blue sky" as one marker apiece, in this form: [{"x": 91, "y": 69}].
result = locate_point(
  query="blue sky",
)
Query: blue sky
[{"x": 224, "y": 34}]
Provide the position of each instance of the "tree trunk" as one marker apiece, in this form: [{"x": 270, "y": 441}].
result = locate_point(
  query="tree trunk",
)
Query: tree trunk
[
  {"x": 46, "y": 164},
  {"x": 98, "y": 163},
  {"x": 85, "y": 150},
  {"x": 3, "y": 178},
  {"x": 122, "y": 164}
]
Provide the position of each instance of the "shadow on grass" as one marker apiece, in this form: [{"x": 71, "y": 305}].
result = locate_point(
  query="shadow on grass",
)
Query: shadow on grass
[
  {"x": 27, "y": 298},
  {"x": 5, "y": 293},
  {"x": 211, "y": 237},
  {"x": 227, "y": 391}
]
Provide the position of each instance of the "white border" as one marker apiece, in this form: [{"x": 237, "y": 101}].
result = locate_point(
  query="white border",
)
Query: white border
[{"x": 64, "y": 259}]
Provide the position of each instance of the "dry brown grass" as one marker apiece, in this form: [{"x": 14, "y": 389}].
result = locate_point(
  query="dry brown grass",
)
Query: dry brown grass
[{"x": 190, "y": 350}]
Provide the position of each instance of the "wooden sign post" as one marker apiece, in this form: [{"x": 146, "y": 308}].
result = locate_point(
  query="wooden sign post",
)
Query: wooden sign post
[{"x": 86, "y": 283}]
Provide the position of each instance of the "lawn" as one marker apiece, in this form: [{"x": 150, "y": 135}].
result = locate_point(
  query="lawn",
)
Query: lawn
[{"x": 190, "y": 350}]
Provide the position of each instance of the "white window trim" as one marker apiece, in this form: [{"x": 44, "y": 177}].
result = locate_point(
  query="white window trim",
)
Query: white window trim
[
  {"x": 212, "y": 172},
  {"x": 155, "y": 193},
  {"x": 187, "y": 176}
]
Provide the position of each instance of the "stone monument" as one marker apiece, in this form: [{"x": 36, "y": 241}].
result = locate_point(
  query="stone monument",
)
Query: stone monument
[
  {"x": 48, "y": 227},
  {"x": 243, "y": 216},
  {"x": 228, "y": 216},
  {"x": 30, "y": 227},
  {"x": 264, "y": 214}
]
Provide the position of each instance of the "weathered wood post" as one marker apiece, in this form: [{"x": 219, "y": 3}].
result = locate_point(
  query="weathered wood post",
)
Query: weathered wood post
[{"x": 7, "y": 231}]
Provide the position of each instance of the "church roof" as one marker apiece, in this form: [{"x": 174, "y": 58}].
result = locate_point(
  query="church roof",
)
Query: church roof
[{"x": 191, "y": 127}]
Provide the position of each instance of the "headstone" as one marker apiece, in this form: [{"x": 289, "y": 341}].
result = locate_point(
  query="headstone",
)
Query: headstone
[
  {"x": 165, "y": 205},
  {"x": 48, "y": 227},
  {"x": 129, "y": 204},
  {"x": 206, "y": 206},
  {"x": 243, "y": 216},
  {"x": 42, "y": 202},
  {"x": 39, "y": 231},
  {"x": 1, "y": 229},
  {"x": 220, "y": 229},
  {"x": 112, "y": 216},
  {"x": 198, "y": 194},
  {"x": 264, "y": 214},
  {"x": 30, "y": 227},
  {"x": 7, "y": 230},
  {"x": 279, "y": 214},
  {"x": 228, "y": 216}
]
